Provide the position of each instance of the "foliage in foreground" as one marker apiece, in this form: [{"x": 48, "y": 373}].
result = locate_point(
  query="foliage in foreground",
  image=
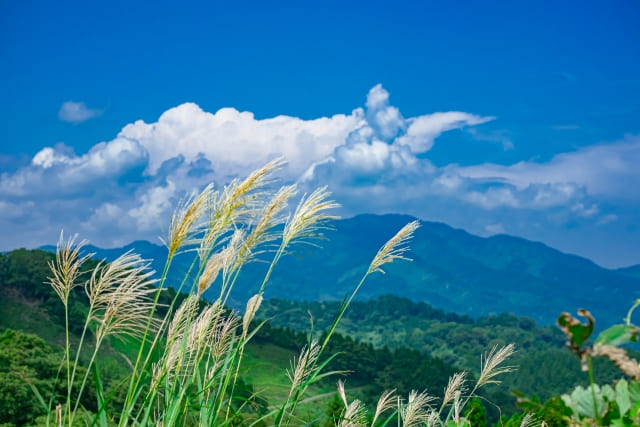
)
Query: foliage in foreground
[{"x": 188, "y": 360}]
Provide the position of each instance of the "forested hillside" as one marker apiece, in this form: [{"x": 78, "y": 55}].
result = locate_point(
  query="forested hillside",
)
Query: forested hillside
[
  {"x": 545, "y": 367},
  {"x": 451, "y": 269}
]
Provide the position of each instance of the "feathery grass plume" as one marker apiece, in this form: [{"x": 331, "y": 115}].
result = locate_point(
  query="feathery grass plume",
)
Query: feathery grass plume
[
  {"x": 183, "y": 222},
  {"x": 242, "y": 193},
  {"x": 224, "y": 260},
  {"x": 120, "y": 295},
  {"x": 385, "y": 402},
  {"x": 221, "y": 335},
  {"x": 457, "y": 406},
  {"x": 177, "y": 356},
  {"x": 620, "y": 358},
  {"x": 66, "y": 267},
  {"x": 252, "y": 307},
  {"x": 182, "y": 317},
  {"x": 203, "y": 328},
  {"x": 394, "y": 249},
  {"x": 237, "y": 203},
  {"x": 175, "y": 332},
  {"x": 490, "y": 365},
  {"x": 354, "y": 413},
  {"x": 309, "y": 217},
  {"x": 528, "y": 420},
  {"x": 269, "y": 217},
  {"x": 415, "y": 411},
  {"x": 304, "y": 365},
  {"x": 342, "y": 393},
  {"x": 455, "y": 384},
  {"x": 220, "y": 341},
  {"x": 433, "y": 418},
  {"x": 215, "y": 263}
]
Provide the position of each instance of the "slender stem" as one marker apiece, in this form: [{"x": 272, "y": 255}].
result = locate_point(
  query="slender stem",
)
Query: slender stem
[
  {"x": 77, "y": 359},
  {"x": 128, "y": 405},
  {"x": 67, "y": 356},
  {"x": 593, "y": 390},
  {"x": 628, "y": 318},
  {"x": 84, "y": 381}
]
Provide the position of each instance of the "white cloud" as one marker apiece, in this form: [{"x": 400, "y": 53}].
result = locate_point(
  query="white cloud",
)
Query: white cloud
[
  {"x": 424, "y": 129},
  {"x": 605, "y": 170},
  {"x": 153, "y": 205},
  {"x": 53, "y": 171},
  {"x": 76, "y": 112},
  {"x": 385, "y": 119},
  {"x": 236, "y": 142},
  {"x": 374, "y": 160}
]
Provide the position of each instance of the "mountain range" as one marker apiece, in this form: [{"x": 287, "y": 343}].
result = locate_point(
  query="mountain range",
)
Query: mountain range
[{"x": 451, "y": 269}]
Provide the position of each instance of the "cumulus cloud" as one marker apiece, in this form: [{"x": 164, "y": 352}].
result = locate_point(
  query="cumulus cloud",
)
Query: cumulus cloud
[
  {"x": 604, "y": 170},
  {"x": 374, "y": 160},
  {"x": 54, "y": 172},
  {"x": 235, "y": 142},
  {"x": 76, "y": 112}
]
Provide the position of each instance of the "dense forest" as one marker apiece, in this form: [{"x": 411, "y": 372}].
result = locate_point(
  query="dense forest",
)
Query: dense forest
[{"x": 545, "y": 367}]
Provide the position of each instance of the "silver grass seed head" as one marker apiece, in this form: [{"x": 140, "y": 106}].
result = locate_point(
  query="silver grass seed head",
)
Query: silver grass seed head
[
  {"x": 66, "y": 267},
  {"x": 184, "y": 221},
  {"x": 215, "y": 263},
  {"x": 415, "y": 411},
  {"x": 250, "y": 312},
  {"x": 181, "y": 317},
  {"x": 268, "y": 218},
  {"x": 342, "y": 393},
  {"x": 303, "y": 367},
  {"x": 490, "y": 364},
  {"x": 201, "y": 328},
  {"x": 457, "y": 406},
  {"x": 528, "y": 420},
  {"x": 455, "y": 385},
  {"x": 620, "y": 358},
  {"x": 395, "y": 248},
  {"x": 385, "y": 402},
  {"x": 121, "y": 296},
  {"x": 355, "y": 415},
  {"x": 433, "y": 418},
  {"x": 309, "y": 217},
  {"x": 222, "y": 335},
  {"x": 236, "y": 203}
]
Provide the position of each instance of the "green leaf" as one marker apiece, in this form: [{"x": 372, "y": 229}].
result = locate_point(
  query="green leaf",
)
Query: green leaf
[
  {"x": 634, "y": 391},
  {"x": 618, "y": 335},
  {"x": 577, "y": 332},
  {"x": 623, "y": 399},
  {"x": 608, "y": 393},
  {"x": 581, "y": 401}
]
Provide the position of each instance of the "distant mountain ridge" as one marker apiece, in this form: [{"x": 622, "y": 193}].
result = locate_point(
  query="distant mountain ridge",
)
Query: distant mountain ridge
[{"x": 452, "y": 270}]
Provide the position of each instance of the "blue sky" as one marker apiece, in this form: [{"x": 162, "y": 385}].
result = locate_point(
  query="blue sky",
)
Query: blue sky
[{"x": 514, "y": 117}]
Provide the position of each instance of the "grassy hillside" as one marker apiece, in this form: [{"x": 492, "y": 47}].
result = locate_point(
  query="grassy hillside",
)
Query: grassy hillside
[{"x": 30, "y": 305}]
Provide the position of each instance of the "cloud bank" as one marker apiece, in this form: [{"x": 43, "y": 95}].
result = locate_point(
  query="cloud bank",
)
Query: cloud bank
[{"x": 373, "y": 159}]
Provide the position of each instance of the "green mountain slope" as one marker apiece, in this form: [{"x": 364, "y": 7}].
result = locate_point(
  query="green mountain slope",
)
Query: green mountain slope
[{"x": 452, "y": 270}]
